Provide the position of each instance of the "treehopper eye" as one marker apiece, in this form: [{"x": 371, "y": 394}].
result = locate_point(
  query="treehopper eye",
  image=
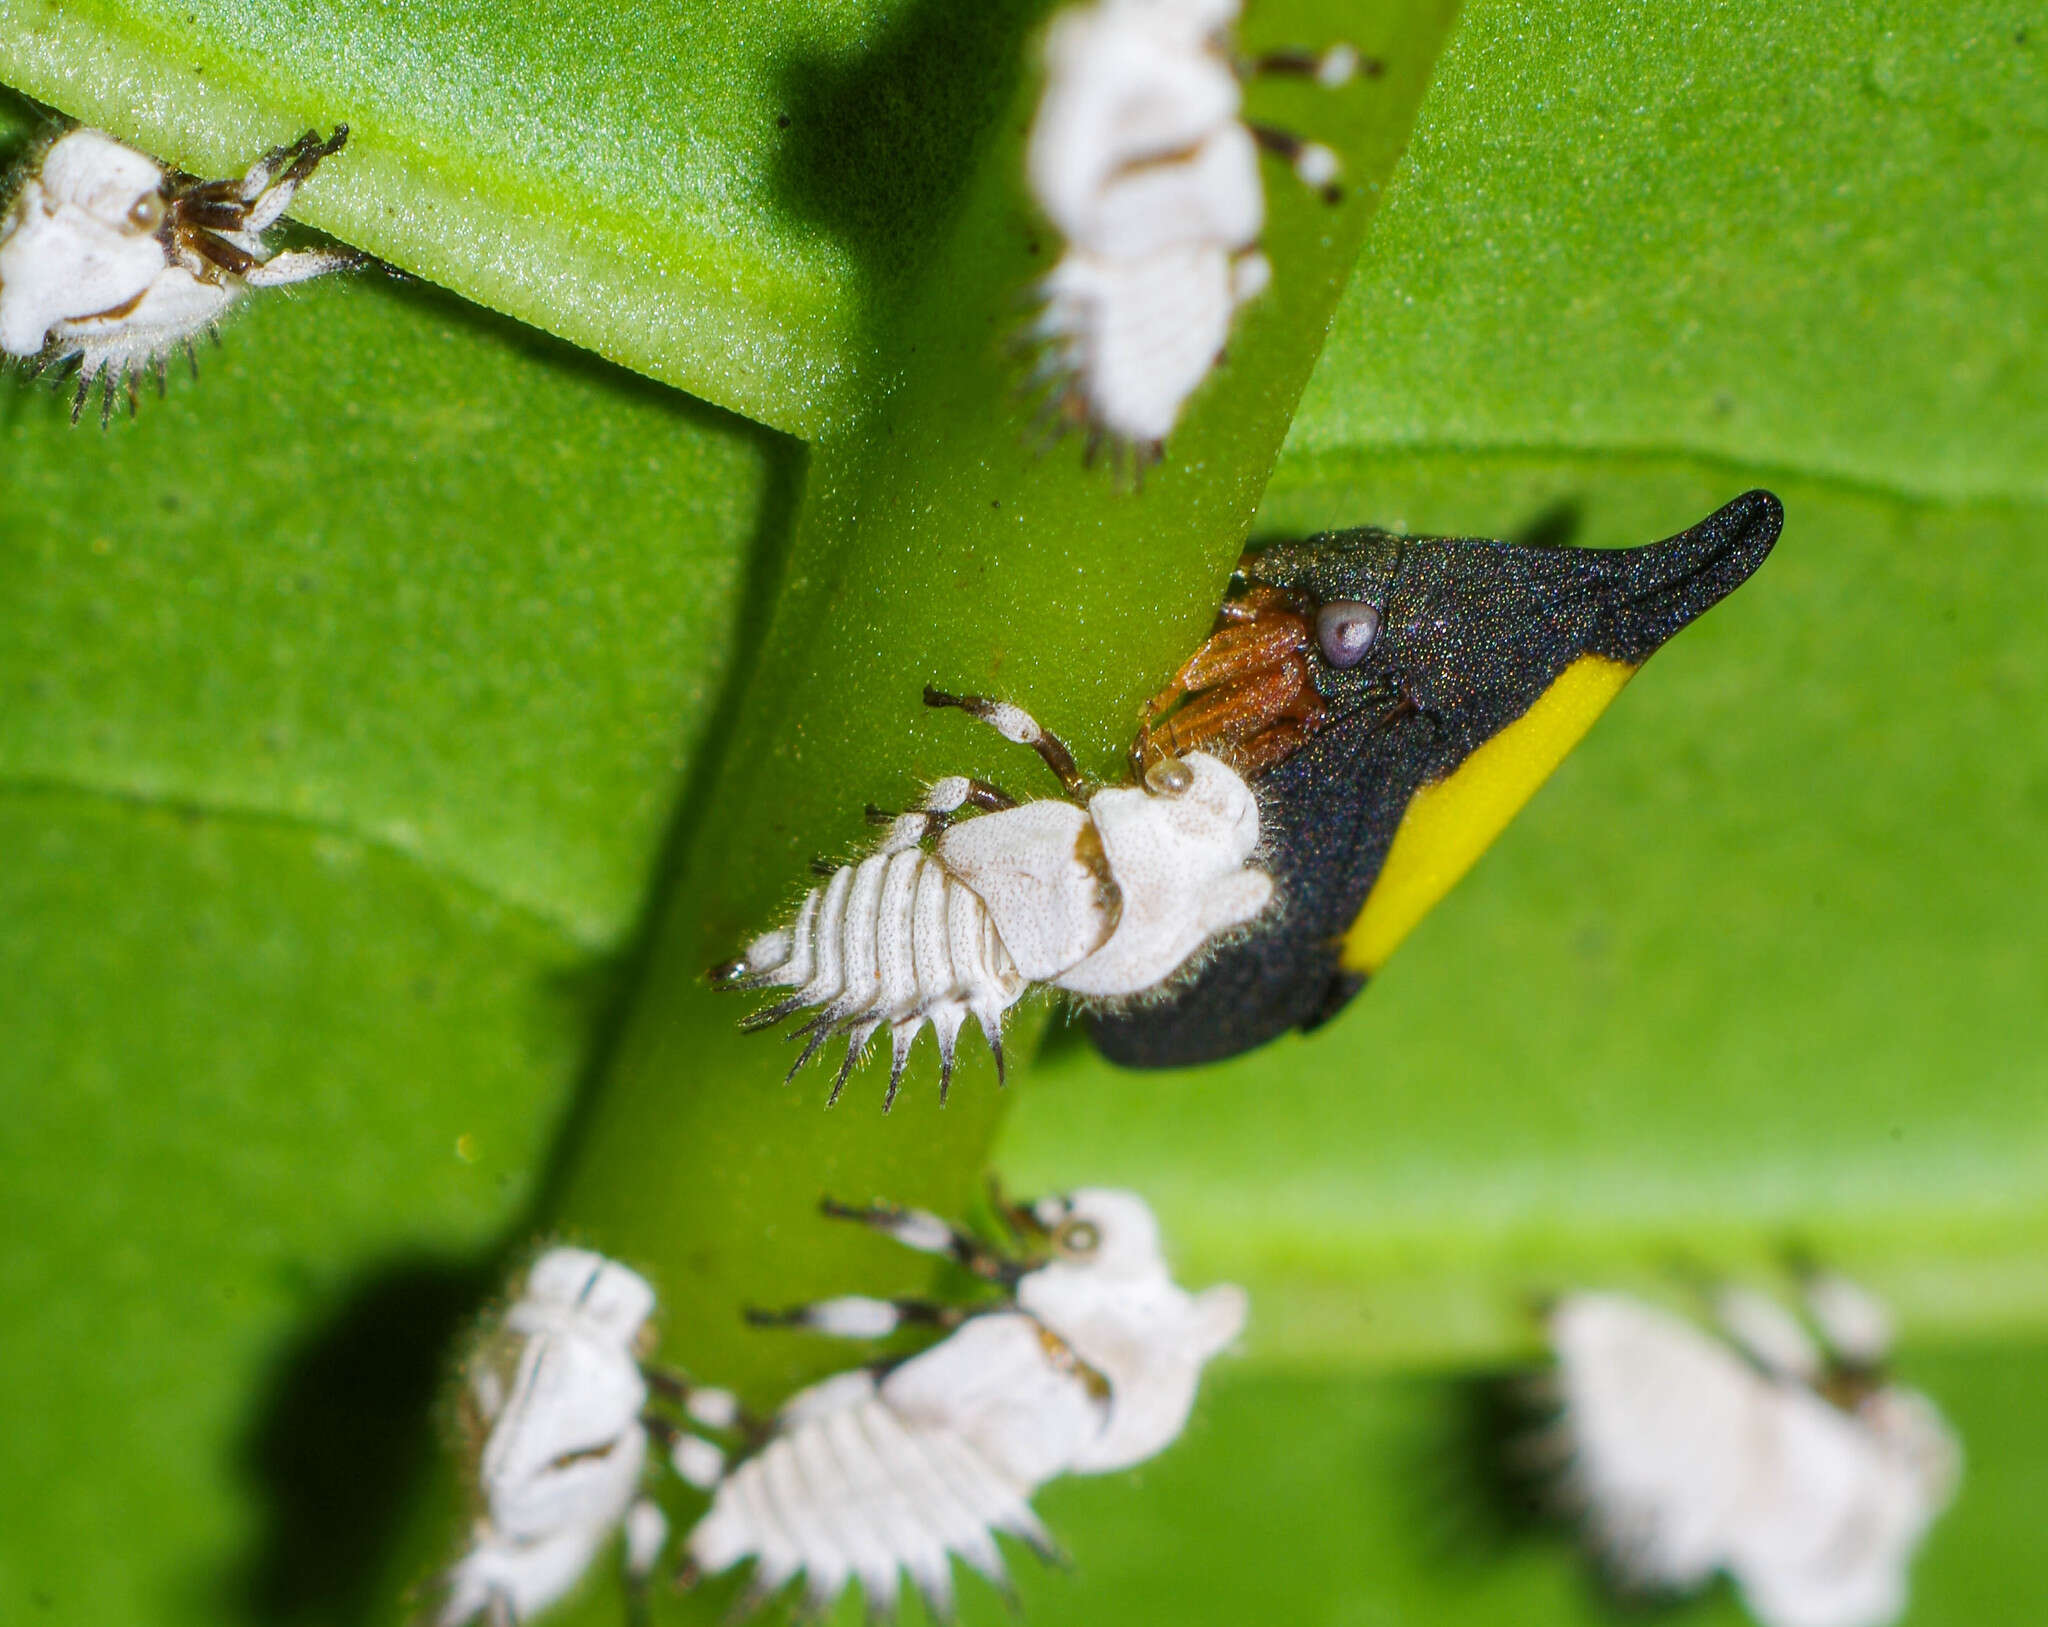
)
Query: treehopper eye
[{"x": 1381, "y": 782}]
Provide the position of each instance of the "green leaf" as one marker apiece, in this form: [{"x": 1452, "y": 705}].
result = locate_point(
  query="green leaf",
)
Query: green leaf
[
  {"x": 490, "y": 645},
  {"x": 402, "y": 580},
  {"x": 253, "y": 1072},
  {"x": 345, "y": 698},
  {"x": 1806, "y": 239},
  {"x": 341, "y": 790},
  {"x": 722, "y": 196}
]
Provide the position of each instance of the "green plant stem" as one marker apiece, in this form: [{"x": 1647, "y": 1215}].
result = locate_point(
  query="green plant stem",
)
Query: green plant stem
[{"x": 935, "y": 545}]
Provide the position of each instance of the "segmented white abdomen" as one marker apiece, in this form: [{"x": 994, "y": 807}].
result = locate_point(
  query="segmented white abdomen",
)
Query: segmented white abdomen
[
  {"x": 851, "y": 1489},
  {"x": 559, "y": 1390},
  {"x": 1091, "y": 1368},
  {"x": 897, "y": 941},
  {"x": 1105, "y": 900},
  {"x": 1138, "y": 336},
  {"x": 1140, "y": 156}
]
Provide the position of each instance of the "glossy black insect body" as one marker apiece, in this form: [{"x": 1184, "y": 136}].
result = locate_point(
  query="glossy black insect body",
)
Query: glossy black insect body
[{"x": 1395, "y": 701}]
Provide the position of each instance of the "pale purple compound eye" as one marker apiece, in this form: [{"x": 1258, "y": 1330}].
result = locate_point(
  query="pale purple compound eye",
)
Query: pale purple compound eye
[{"x": 1346, "y": 630}]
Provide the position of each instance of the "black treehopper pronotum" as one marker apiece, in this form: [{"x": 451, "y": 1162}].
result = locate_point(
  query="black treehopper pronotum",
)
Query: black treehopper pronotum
[{"x": 1395, "y": 701}]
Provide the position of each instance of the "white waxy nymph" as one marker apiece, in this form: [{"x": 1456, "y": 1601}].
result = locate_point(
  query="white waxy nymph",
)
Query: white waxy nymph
[
  {"x": 1140, "y": 157},
  {"x": 109, "y": 258},
  {"x": 1089, "y": 1365},
  {"x": 1806, "y": 1476},
  {"x": 1106, "y": 894},
  {"x": 557, "y": 1393}
]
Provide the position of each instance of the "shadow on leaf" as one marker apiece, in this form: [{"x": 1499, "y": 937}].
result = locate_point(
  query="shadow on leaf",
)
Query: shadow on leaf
[
  {"x": 617, "y": 985},
  {"x": 1557, "y": 525},
  {"x": 879, "y": 139},
  {"x": 1485, "y": 1490},
  {"x": 341, "y": 1436}
]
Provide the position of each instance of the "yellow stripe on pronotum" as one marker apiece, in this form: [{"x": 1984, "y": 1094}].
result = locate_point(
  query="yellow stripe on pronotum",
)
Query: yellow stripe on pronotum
[
  {"x": 1449, "y": 824},
  {"x": 1403, "y": 698}
]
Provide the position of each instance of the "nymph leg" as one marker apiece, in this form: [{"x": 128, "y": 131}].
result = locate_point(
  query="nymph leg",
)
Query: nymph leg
[
  {"x": 1014, "y": 723},
  {"x": 859, "y": 1316},
  {"x": 928, "y": 1234}
]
